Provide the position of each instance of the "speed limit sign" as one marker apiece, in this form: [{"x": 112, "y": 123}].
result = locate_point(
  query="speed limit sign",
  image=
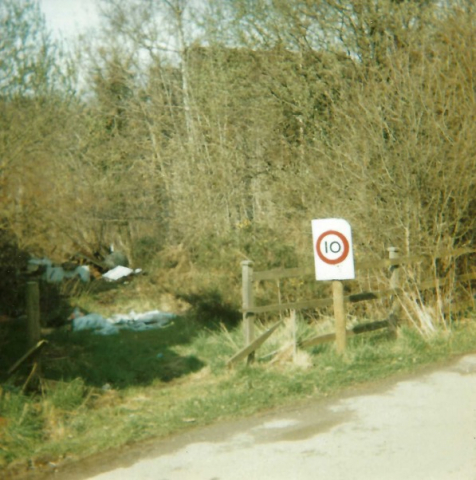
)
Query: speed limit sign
[{"x": 333, "y": 256}]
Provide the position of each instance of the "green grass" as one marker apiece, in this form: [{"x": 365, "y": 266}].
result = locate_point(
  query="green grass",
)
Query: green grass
[
  {"x": 124, "y": 360},
  {"x": 104, "y": 392}
]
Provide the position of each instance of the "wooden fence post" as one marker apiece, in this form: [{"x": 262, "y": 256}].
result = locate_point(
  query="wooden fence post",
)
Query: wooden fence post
[
  {"x": 33, "y": 329},
  {"x": 339, "y": 315},
  {"x": 248, "y": 302},
  {"x": 394, "y": 283},
  {"x": 294, "y": 327},
  {"x": 33, "y": 313}
]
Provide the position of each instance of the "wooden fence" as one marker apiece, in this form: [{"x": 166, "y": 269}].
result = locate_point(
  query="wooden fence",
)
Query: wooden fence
[
  {"x": 33, "y": 333},
  {"x": 338, "y": 300}
]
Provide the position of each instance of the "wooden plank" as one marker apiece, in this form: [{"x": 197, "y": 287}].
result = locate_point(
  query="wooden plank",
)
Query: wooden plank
[
  {"x": 466, "y": 276},
  {"x": 32, "y": 351},
  {"x": 254, "y": 345},
  {"x": 441, "y": 282},
  {"x": 366, "y": 296},
  {"x": 324, "y": 302},
  {"x": 330, "y": 337},
  {"x": 454, "y": 253},
  {"x": 278, "y": 273},
  {"x": 321, "y": 302},
  {"x": 319, "y": 340},
  {"x": 369, "y": 327},
  {"x": 362, "y": 297},
  {"x": 356, "y": 297},
  {"x": 369, "y": 265},
  {"x": 455, "y": 308}
]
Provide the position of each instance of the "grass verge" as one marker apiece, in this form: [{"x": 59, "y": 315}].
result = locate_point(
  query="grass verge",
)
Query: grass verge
[{"x": 105, "y": 392}]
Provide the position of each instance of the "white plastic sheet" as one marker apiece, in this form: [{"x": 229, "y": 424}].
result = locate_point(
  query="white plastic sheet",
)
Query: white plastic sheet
[{"x": 120, "y": 272}]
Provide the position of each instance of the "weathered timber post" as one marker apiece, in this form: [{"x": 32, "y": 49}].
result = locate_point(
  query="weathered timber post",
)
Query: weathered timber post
[
  {"x": 33, "y": 328},
  {"x": 294, "y": 328},
  {"x": 394, "y": 283},
  {"x": 248, "y": 303},
  {"x": 33, "y": 313},
  {"x": 339, "y": 315}
]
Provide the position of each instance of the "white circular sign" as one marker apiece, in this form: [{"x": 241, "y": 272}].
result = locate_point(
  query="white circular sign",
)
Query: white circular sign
[{"x": 332, "y": 247}]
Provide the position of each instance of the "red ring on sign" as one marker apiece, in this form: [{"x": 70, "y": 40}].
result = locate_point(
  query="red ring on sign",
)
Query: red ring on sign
[{"x": 345, "y": 244}]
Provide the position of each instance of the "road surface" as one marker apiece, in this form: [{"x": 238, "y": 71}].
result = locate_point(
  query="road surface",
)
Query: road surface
[{"x": 419, "y": 428}]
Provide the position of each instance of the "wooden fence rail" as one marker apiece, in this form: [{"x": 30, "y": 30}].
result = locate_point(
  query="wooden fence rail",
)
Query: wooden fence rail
[
  {"x": 360, "y": 265},
  {"x": 250, "y": 309}
]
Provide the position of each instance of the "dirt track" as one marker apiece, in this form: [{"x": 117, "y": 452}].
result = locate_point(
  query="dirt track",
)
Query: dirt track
[{"x": 419, "y": 428}]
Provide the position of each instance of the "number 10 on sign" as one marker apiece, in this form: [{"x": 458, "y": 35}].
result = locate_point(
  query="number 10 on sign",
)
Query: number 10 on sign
[{"x": 333, "y": 256}]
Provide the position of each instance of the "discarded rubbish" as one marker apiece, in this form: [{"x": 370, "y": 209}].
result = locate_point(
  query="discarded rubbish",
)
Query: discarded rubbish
[
  {"x": 52, "y": 273},
  {"x": 56, "y": 274},
  {"x": 35, "y": 263},
  {"x": 93, "y": 321},
  {"x": 138, "y": 322},
  {"x": 115, "y": 259},
  {"x": 120, "y": 272}
]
